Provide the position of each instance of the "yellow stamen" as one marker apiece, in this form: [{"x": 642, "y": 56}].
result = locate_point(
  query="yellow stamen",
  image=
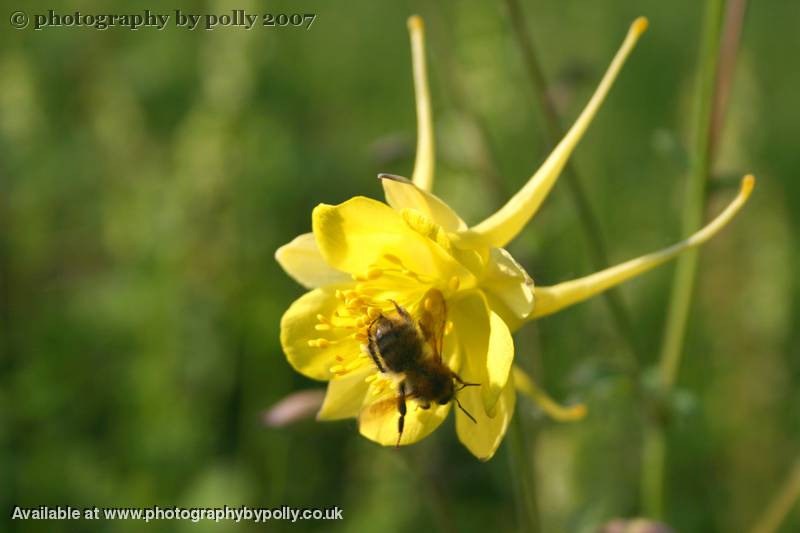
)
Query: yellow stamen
[
  {"x": 322, "y": 327},
  {"x": 354, "y": 303},
  {"x": 319, "y": 343},
  {"x": 454, "y": 283}
]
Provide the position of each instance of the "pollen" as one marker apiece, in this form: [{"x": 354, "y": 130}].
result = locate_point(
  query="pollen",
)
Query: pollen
[
  {"x": 454, "y": 283},
  {"x": 354, "y": 303},
  {"x": 319, "y": 343}
]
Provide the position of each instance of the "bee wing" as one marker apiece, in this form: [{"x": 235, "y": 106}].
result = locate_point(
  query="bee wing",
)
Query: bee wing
[
  {"x": 433, "y": 316},
  {"x": 378, "y": 409}
]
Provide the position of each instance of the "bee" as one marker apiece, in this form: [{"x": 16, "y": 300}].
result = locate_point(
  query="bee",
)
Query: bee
[{"x": 412, "y": 350}]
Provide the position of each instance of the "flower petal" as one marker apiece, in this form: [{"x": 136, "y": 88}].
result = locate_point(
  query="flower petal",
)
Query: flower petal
[
  {"x": 423, "y": 164},
  {"x": 487, "y": 347},
  {"x": 526, "y": 386},
  {"x": 358, "y": 234},
  {"x": 552, "y": 299},
  {"x": 302, "y": 260},
  {"x": 378, "y": 421},
  {"x": 508, "y": 221},
  {"x": 298, "y": 327},
  {"x": 401, "y": 193},
  {"x": 345, "y": 395},
  {"x": 507, "y": 281},
  {"x": 484, "y": 436}
]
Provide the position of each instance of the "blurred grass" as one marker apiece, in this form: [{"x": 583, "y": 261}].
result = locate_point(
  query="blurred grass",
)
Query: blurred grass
[{"x": 146, "y": 179}]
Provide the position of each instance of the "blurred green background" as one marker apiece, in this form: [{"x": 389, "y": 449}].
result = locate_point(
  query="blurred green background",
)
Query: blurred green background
[{"x": 147, "y": 177}]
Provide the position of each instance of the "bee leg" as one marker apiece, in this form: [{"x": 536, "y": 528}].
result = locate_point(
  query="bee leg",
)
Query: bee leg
[
  {"x": 463, "y": 383},
  {"x": 372, "y": 348},
  {"x": 401, "y": 406},
  {"x": 401, "y": 311}
]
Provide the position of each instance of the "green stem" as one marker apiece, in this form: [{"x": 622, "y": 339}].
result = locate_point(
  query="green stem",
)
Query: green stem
[
  {"x": 653, "y": 452},
  {"x": 784, "y": 500},
  {"x": 695, "y": 197},
  {"x": 586, "y": 216},
  {"x": 683, "y": 282},
  {"x": 523, "y": 476}
]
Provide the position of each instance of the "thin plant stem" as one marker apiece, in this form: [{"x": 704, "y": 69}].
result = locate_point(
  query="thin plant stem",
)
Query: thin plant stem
[
  {"x": 731, "y": 37},
  {"x": 786, "y": 498},
  {"x": 695, "y": 197},
  {"x": 586, "y": 216},
  {"x": 652, "y": 483},
  {"x": 523, "y": 477},
  {"x": 655, "y": 448}
]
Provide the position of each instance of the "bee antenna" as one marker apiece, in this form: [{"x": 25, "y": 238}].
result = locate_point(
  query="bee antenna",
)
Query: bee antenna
[
  {"x": 465, "y": 385},
  {"x": 465, "y": 411}
]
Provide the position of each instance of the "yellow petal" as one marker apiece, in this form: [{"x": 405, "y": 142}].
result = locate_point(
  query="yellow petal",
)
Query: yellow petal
[
  {"x": 487, "y": 346},
  {"x": 507, "y": 281},
  {"x": 483, "y": 437},
  {"x": 298, "y": 328},
  {"x": 552, "y": 299},
  {"x": 356, "y": 235},
  {"x": 525, "y": 385},
  {"x": 345, "y": 395},
  {"x": 401, "y": 194},
  {"x": 302, "y": 260},
  {"x": 506, "y": 223},
  {"x": 509, "y": 317},
  {"x": 423, "y": 165},
  {"x": 378, "y": 421}
]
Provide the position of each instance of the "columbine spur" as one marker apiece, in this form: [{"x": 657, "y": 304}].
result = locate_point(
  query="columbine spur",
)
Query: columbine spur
[{"x": 363, "y": 256}]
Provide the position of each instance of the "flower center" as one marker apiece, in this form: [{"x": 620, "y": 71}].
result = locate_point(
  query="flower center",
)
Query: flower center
[{"x": 358, "y": 305}]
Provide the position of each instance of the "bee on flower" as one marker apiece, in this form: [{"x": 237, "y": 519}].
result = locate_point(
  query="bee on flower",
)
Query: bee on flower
[{"x": 410, "y": 311}]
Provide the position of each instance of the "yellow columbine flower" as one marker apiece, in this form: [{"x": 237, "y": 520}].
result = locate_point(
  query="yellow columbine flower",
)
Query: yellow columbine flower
[{"x": 364, "y": 258}]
